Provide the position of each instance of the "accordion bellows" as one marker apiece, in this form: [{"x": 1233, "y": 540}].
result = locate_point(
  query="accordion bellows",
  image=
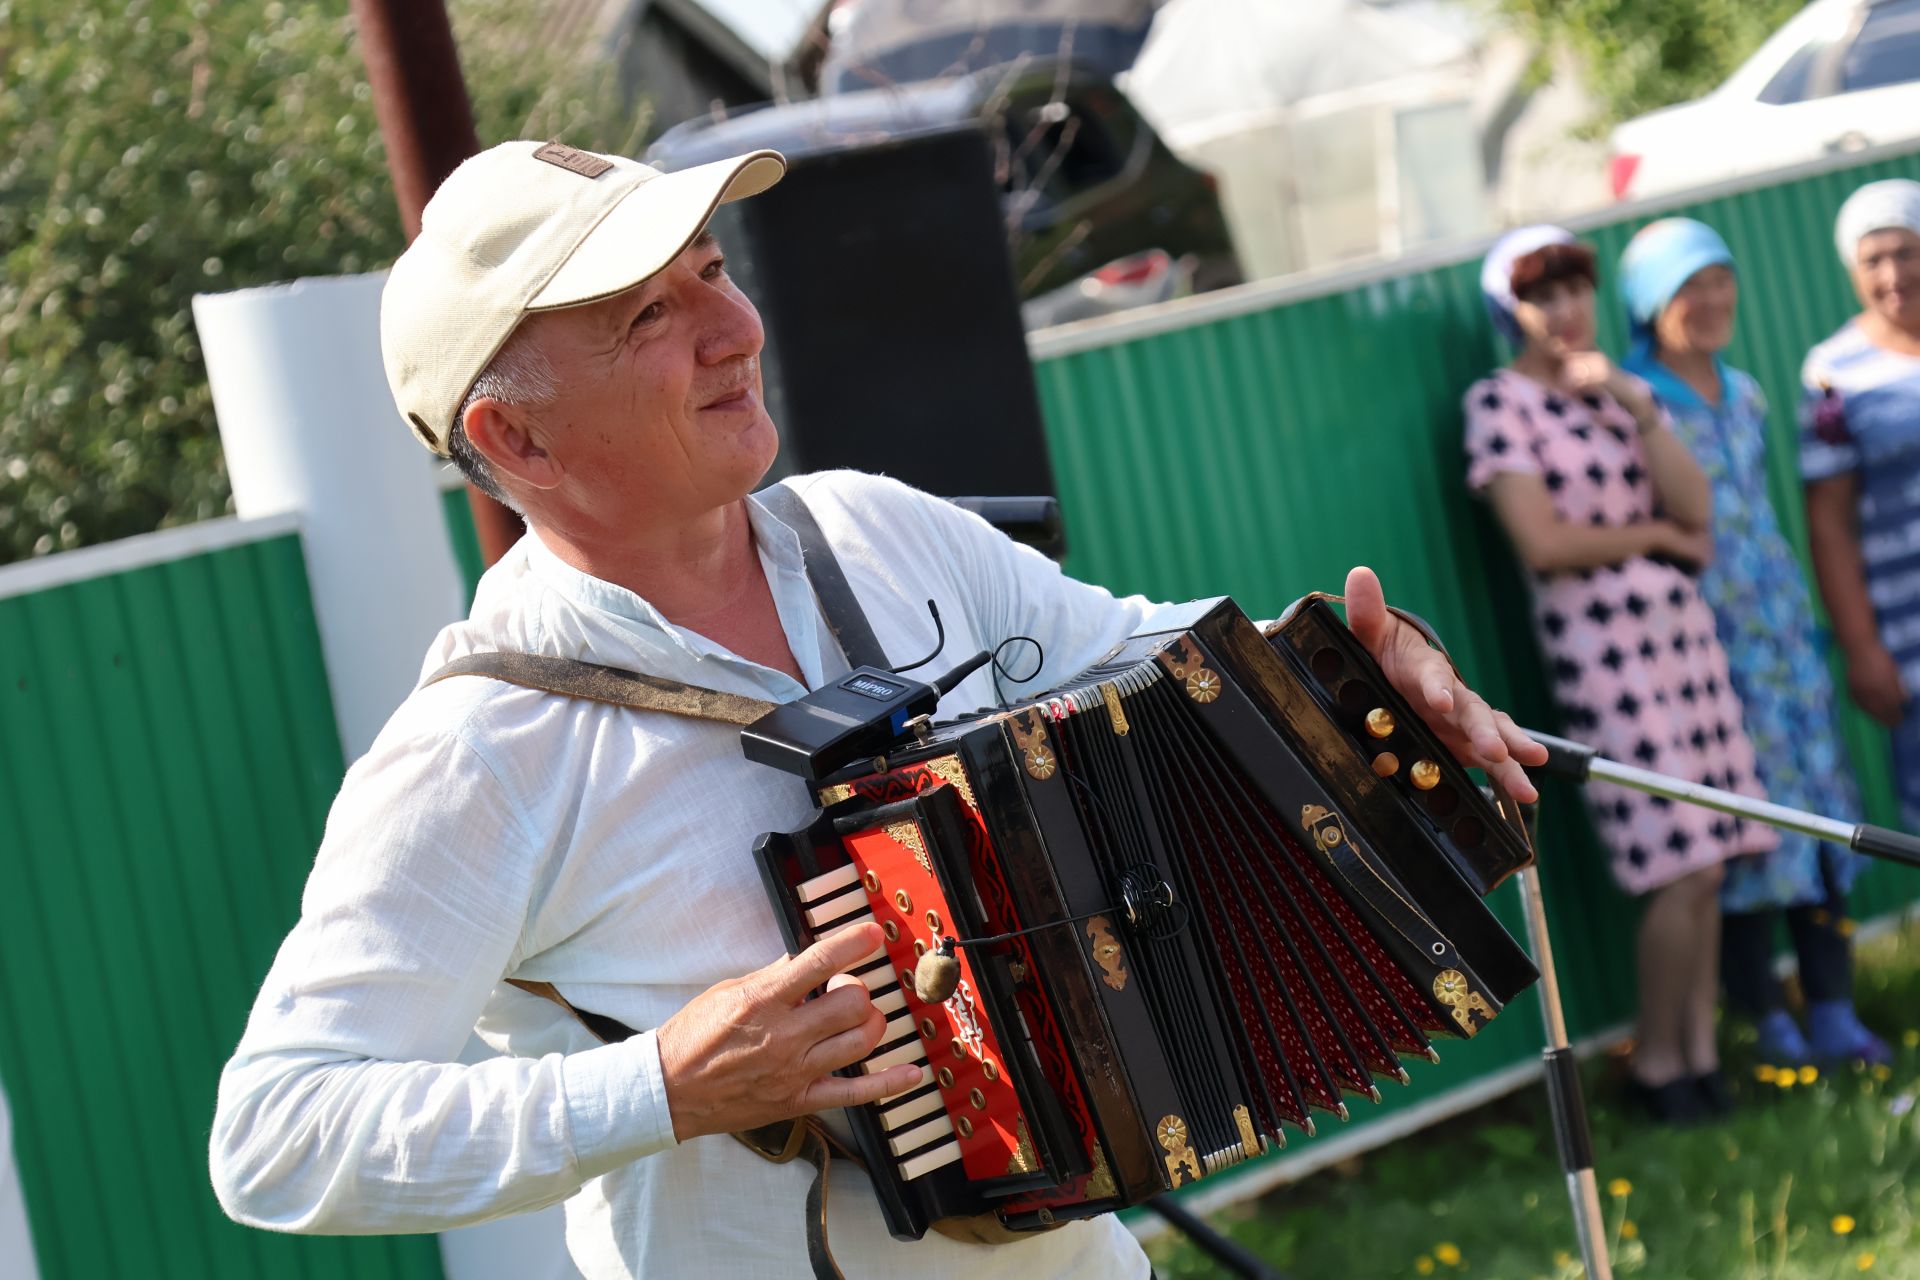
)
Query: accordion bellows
[{"x": 1244, "y": 882}]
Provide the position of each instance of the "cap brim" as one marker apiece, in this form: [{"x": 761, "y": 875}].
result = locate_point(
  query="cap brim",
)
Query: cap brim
[{"x": 654, "y": 225}]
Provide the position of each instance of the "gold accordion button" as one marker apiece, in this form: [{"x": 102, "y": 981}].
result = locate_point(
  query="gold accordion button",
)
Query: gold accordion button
[
  {"x": 945, "y": 1076},
  {"x": 1425, "y": 774},
  {"x": 1380, "y": 722},
  {"x": 872, "y": 881},
  {"x": 933, "y": 921},
  {"x": 891, "y": 929},
  {"x": 919, "y": 946},
  {"x": 990, "y": 1069},
  {"x": 927, "y": 1028},
  {"x": 1386, "y": 764},
  {"x": 978, "y": 1099},
  {"x": 901, "y": 900},
  {"x": 959, "y": 1048},
  {"x": 965, "y": 1126}
]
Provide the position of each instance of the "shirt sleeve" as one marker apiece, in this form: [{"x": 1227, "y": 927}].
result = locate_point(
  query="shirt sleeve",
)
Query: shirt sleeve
[
  {"x": 1827, "y": 444},
  {"x": 1499, "y": 435},
  {"x": 344, "y": 1110}
]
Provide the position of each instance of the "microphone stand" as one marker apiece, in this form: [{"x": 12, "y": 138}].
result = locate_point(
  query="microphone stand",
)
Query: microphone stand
[
  {"x": 1579, "y": 763},
  {"x": 1571, "y": 1135}
]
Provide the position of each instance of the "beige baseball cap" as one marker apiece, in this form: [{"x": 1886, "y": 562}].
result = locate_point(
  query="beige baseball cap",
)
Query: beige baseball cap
[{"x": 533, "y": 226}]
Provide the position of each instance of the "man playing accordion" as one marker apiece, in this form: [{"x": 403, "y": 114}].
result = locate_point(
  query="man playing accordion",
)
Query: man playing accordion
[{"x": 565, "y": 331}]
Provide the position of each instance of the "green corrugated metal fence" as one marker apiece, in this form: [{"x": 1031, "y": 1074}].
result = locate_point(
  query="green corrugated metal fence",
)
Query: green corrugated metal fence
[{"x": 167, "y": 755}]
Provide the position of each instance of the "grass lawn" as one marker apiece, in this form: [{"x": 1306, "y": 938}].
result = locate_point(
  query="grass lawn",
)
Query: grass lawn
[{"x": 1809, "y": 1180}]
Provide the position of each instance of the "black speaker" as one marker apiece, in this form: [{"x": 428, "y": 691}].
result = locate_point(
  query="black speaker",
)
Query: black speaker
[{"x": 894, "y": 340}]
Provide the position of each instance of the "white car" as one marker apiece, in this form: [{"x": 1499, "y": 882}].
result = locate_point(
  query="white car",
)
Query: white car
[{"x": 1841, "y": 75}]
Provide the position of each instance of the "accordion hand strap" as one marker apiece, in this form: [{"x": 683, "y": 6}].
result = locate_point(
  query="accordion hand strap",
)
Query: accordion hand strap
[{"x": 779, "y": 1142}]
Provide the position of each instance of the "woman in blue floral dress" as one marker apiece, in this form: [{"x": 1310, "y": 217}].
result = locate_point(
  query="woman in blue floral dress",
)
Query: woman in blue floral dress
[{"x": 1677, "y": 278}]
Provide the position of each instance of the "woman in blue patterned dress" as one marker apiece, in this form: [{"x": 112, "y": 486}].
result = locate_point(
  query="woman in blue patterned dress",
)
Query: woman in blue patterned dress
[
  {"x": 1677, "y": 279},
  {"x": 1860, "y": 458}
]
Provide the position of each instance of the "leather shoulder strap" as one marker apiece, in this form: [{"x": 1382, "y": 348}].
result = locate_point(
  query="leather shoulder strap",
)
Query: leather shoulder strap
[
  {"x": 841, "y": 607},
  {"x": 577, "y": 679}
]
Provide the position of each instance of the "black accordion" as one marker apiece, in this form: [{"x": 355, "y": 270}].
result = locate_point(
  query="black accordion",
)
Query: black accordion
[{"x": 1241, "y": 880}]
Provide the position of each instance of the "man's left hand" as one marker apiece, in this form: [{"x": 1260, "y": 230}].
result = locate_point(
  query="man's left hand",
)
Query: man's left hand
[{"x": 1474, "y": 732}]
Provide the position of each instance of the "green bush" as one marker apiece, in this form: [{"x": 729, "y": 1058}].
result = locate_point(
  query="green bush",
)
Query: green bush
[
  {"x": 160, "y": 148},
  {"x": 1642, "y": 54}
]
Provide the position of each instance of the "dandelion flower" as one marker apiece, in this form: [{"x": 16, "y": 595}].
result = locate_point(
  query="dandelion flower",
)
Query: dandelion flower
[
  {"x": 1629, "y": 1230},
  {"x": 1809, "y": 1074},
  {"x": 1765, "y": 1073},
  {"x": 1619, "y": 1188},
  {"x": 1911, "y": 1038},
  {"x": 1448, "y": 1253},
  {"x": 1865, "y": 1261},
  {"x": 1561, "y": 1258},
  {"x": 1881, "y": 1071},
  {"x": 1842, "y": 1224},
  {"x": 1423, "y": 1264},
  {"x": 1785, "y": 1078}
]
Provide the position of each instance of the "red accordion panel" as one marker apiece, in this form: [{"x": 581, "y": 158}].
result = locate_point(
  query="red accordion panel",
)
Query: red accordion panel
[
  {"x": 1043, "y": 1029},
  {"x": 962, "y": 1050}
]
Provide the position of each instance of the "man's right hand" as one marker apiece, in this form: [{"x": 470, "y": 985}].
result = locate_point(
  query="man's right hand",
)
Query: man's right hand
[
  {"x": 1873, "y": 677},
  {"x": 753, "y": 1050}
]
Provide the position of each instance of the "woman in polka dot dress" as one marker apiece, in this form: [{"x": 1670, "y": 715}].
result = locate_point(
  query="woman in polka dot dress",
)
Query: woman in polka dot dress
[{"x": 1609, "y": 512}]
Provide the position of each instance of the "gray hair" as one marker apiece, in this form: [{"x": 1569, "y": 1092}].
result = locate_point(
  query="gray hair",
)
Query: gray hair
[{"x": 518, "y": 374}]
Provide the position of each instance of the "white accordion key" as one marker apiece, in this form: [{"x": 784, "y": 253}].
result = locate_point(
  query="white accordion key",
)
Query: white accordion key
[
  {"x": 881, "y": 978},
  {"x": 896, "y": 1028},
  {"x": 834, "y": 908},
  {"x": 927, "y": 1161},
  {"x": 941, "y": 1126},
  {"x": 832, "y": 881},
  {"x": 912, "y": 1051},
  {"x": 911, "y": 1109},
  {"x": 891, "y": 1001}
]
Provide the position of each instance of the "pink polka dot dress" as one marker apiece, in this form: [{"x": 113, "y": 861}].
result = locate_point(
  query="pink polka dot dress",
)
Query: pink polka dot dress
[{"x": 1630, "y": 648}]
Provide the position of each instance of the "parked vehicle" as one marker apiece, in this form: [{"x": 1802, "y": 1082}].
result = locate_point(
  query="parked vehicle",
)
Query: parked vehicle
[
  {"x": 1839, "y": 76},
  {"x": 1084, "y": 179},
  {"x": 1138, "y": 280}
]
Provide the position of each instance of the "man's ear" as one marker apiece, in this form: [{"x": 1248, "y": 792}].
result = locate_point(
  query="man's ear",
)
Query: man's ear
[{"x": 509, "y": 439}]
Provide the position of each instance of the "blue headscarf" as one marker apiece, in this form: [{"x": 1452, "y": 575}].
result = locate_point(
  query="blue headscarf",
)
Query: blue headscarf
[
  {"x": 1496, "y": 273},
  {"x": 1662, "y": 257}
]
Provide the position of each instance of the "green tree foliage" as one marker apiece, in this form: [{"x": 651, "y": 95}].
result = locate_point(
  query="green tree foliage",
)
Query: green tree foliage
[
  {"x": 160, "y": 148},
  {"x": 1643, "y": 54}
]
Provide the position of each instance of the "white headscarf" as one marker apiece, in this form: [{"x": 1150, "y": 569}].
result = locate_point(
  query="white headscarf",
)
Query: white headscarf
[
  {"x": 1876, "y": 207},
  {"x": 1496, "y": 273}
]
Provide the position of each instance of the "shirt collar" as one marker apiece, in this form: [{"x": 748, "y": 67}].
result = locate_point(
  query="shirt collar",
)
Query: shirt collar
[
  {"x": 1673, "y": 390},
  {"x": 676, "y": 652}
]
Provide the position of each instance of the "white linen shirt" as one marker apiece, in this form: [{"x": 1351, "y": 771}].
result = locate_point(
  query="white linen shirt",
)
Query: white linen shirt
[{"x": 493, "y": 831}]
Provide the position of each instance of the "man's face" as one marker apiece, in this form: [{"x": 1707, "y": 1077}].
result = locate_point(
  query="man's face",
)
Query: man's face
[{"x": 658, "y": 405}]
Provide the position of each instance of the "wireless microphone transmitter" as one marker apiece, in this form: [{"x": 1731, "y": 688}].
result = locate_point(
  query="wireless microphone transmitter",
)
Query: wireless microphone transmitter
[{"x": 857, "y": 717}]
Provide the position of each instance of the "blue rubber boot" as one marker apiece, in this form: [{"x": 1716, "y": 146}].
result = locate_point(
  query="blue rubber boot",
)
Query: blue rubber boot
[
  {"x": 1781, "y": 1043},
  {"x": 1836, "y": 1034}
]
